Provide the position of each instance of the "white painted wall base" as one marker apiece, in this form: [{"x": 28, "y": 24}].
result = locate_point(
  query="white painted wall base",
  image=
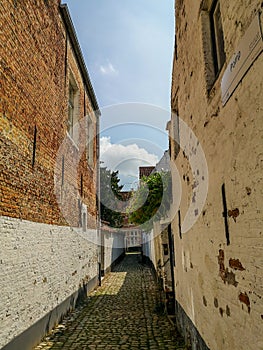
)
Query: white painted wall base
[{"x": 41, "y": 266}]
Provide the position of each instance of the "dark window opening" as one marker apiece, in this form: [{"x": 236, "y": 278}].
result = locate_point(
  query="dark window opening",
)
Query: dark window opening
[{"x": 217, "y": 35}]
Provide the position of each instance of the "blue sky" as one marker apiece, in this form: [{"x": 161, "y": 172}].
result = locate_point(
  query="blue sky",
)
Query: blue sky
[{"x": 128, "y": 49}]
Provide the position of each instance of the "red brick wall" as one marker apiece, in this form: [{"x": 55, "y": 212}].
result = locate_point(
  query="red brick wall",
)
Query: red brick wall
[
  {"x": 34, "y": 75},
  {"x": 145, "y": 170}
]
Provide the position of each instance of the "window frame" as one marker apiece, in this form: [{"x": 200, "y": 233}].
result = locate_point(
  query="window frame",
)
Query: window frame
[
  {"x": 210, "y": 49},
  {"x": 217, "y": 37},
  {"x": 73, "y": 109}
]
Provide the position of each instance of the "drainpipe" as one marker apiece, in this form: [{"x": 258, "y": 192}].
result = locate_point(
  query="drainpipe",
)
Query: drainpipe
[{"x": 99, "y": 238}]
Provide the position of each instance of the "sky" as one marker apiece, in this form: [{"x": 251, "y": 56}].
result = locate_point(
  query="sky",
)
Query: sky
[{"x": 128, "y": 49}]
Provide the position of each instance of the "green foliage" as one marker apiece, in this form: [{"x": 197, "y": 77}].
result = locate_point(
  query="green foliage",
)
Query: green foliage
[
  {"x": 157, "y": 203},
  {"x": 109, "y": 194}
]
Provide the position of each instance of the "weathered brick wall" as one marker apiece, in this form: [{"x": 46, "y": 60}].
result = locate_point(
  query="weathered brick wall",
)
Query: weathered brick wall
[
  {"x": 41, "y": 265},
  {"x": 42, "y": 260},
  {"x": 219, "y": 285},
  {"x": 34, "y": 75},
  {"x": 31, "y": 87}
]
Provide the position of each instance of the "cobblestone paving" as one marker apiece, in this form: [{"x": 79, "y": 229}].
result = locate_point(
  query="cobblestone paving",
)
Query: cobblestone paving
[{"x": 118, "y": 315}]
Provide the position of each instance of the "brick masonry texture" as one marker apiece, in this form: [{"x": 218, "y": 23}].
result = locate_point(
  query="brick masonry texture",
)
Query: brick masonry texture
[
  {"x": 36, "y": 61},
  {"x": 42, "y": 261},
  {"x": 219, "y": 285},
  {"x": 40, "y": 266}
]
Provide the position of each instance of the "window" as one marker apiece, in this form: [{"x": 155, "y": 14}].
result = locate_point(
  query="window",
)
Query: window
[
  {"x": 72, "y": 108},
  {"x": 90, "y": 140},
  {"x": 217, "y": 37},
  {"x": 213, "y": 40},
  {"x": 34, "y": 147}
]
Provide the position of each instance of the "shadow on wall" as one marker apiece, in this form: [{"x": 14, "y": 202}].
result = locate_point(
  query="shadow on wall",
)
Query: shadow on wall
[
  {"x": 29, "y": 338},
  {"x": 112, "y": 250}
]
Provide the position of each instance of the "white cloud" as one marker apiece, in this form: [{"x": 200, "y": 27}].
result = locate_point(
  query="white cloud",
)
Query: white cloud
[
  {"x": 125, "y": 158},
  {"x": 108, "y": 69}
]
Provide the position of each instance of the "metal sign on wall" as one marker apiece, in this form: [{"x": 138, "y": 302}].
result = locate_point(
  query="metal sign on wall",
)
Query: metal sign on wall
[{"x": 249, "y": 47}]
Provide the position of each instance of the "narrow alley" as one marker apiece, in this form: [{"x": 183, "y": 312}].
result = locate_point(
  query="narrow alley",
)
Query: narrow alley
[
  {"x": 121, "y": 314},
  {"x": 131, "y": 147}
]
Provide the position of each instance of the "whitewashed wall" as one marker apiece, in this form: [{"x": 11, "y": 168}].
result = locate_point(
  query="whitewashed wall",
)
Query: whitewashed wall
[
  {"x": 113, "y": 247},
  {"x": 40, "y": 267}
]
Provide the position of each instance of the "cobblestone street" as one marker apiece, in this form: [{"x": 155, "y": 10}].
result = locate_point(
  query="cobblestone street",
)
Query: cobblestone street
[{"x": 121, "y": 314}]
